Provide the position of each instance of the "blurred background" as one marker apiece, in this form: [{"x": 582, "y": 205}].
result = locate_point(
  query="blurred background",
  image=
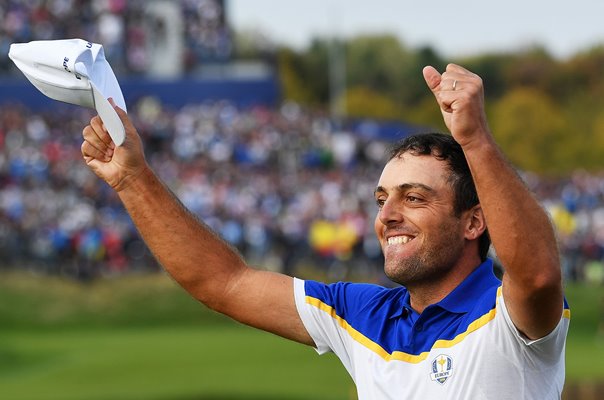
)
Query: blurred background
[{"x": 269, "y": 120}]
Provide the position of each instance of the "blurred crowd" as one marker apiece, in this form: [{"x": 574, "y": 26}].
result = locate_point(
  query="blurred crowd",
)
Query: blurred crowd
[
  {"x": 277, "y": 184},
  {"x": 130, "y": 31},
  {"x": 576, "y": 206},
  {"x": 284, "y": 186}
]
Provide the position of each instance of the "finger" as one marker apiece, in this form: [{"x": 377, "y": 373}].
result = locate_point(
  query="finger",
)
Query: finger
[
  {"x": 458, "y": 73},
  {"x": 439, "y": 86},
  {"x": 100, "y": 130},
  {"x": 91, "y": 152},
  {"x": 123, "y": 116},
  {"x": 458, "y": 69},
  {"x": 95, "y": 135},
  {"x": 432, "y": 78},
  {"x": 452, "y": 80},
  {"x": 91, "y": 136},
  {"x": 459, "y": 85},
  {"x": 449, "y": 83}
]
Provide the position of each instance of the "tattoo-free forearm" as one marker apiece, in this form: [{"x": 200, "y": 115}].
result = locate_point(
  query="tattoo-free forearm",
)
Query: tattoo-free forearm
[{"x": 191, "y": 253}]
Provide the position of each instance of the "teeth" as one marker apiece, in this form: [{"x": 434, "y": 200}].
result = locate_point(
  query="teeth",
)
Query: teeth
[{"x": 399, "y": 240}]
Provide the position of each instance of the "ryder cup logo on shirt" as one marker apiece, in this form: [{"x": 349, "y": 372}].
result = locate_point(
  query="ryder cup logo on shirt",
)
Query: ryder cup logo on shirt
[{"x": 442, "y": 368}]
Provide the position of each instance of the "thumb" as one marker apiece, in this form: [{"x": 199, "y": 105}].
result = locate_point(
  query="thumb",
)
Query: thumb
[
  {"x": 122, "y": 114},
  {"x": 432, "y": 78},
  {"x": 116, "y": 107}
]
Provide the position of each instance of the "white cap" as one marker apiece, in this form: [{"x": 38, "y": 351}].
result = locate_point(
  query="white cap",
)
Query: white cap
[{"x": 73, "y": 71}]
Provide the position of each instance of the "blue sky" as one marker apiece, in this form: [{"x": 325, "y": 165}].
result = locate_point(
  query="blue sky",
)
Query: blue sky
[{"x": 454, "y": 28}]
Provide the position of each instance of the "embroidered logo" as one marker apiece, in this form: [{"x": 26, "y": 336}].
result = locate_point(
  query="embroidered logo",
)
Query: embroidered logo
[{"x": 442, "y": 368}]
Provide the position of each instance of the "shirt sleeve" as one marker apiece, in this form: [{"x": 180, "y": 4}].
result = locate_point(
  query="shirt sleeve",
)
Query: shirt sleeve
[
  {"x": 549, "y": 348},
  {"x": 336, "y": 315},
  {"x": 320, "y": 321}
]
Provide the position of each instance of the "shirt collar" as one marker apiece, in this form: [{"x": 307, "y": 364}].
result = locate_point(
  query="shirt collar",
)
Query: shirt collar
[
  {"x": 404, "y": 307},
  {"x": 463, "y": 298}
]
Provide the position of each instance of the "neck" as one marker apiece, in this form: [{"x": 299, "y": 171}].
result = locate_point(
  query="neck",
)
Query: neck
[{"x": 423, "y": 294}]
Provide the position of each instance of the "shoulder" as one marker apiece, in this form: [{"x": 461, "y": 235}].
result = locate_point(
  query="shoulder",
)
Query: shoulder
[
  {"x": 348, "y": 297},
  {"x": 366, "y": 312}
]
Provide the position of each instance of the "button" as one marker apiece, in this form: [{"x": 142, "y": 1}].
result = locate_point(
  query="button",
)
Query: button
[{"x": 418, "y": 328}]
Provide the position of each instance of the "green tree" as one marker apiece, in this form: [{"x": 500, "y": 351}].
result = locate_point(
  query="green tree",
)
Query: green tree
[
  {"x": 291, "y": 76},
  {"x": 491, "y": 68},
  {"x": 304, "y": 75},
  {"x": 375, "y": 62},
  {"x": 385, "y": 65},
  {"x": 531, "y": 130},
  {"x": 583, "y": 72},
  {"x": 379, "y": 64},
  {"x": 548, "y": 114},
  {"x": 364, "y": 102}
]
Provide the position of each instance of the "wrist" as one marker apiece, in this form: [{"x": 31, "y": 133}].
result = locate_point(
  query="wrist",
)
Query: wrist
[
  {"x": 478, "y": 141},
  {"x": 136, "y": 181}
]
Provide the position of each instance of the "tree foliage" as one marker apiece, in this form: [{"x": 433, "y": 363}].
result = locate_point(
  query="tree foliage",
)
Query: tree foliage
[
  {"x": 530, "y": 128},
  {"x": 547, "y": 114}
]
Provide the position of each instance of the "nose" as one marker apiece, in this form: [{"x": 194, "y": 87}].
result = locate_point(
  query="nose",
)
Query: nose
[{"x": 390, "y": 213}]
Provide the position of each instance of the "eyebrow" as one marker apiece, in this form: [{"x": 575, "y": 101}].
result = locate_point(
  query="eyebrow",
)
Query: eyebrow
[{"x": 406, "y": 186}]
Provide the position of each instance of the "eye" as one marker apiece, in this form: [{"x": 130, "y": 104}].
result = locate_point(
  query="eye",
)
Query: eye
[
  {"x": 412, "y": 199},
  {"x": 380, "y": 202}
]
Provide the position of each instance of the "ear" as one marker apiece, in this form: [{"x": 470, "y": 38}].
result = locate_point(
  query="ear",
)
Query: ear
[{"x": 475, "y": 223}]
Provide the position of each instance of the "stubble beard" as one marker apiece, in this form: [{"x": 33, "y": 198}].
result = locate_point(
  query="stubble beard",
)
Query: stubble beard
[{"x": 430, "y": 264}]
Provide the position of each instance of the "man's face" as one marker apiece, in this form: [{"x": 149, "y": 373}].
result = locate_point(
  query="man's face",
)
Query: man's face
[{"x": 420, "y": 235}]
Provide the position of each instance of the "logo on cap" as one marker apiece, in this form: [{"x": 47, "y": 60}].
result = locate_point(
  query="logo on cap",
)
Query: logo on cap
[{"x": 65, "y": 61}]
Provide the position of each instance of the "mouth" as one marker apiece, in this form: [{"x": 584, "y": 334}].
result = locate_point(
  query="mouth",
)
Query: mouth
[{"x": 402, "y": 239}]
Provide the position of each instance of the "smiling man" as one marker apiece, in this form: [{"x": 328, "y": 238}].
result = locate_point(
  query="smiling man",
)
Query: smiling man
[
  {"x": 428, "y": 239},
  {"x": 452, "y": 330}
]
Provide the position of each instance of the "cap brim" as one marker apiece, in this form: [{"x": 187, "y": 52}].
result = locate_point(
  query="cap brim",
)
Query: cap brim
[{"x": 110, "y": 119}]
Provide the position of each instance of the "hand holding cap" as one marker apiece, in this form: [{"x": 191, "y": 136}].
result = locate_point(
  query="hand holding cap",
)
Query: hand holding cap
[{"x": 73, "y": 71}]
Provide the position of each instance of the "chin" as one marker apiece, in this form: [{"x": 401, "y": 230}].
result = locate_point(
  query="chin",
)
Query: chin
[
  {"x": 405, "y": 272},
  {"x": 415, "y": 270}
]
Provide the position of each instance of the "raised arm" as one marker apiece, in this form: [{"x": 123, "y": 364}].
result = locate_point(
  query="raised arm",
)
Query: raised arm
[
  {"x": 520, "y": 230},
  {"x": 201, "y": 262}
]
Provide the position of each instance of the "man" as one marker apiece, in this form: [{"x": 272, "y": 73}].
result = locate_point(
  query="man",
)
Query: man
[{"x": 452, "y": 331}]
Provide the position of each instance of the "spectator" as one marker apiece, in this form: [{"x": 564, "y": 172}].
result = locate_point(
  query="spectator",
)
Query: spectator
[
  {"x": 123, "y": 28},
  {"x": 220, "y": 162}
]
